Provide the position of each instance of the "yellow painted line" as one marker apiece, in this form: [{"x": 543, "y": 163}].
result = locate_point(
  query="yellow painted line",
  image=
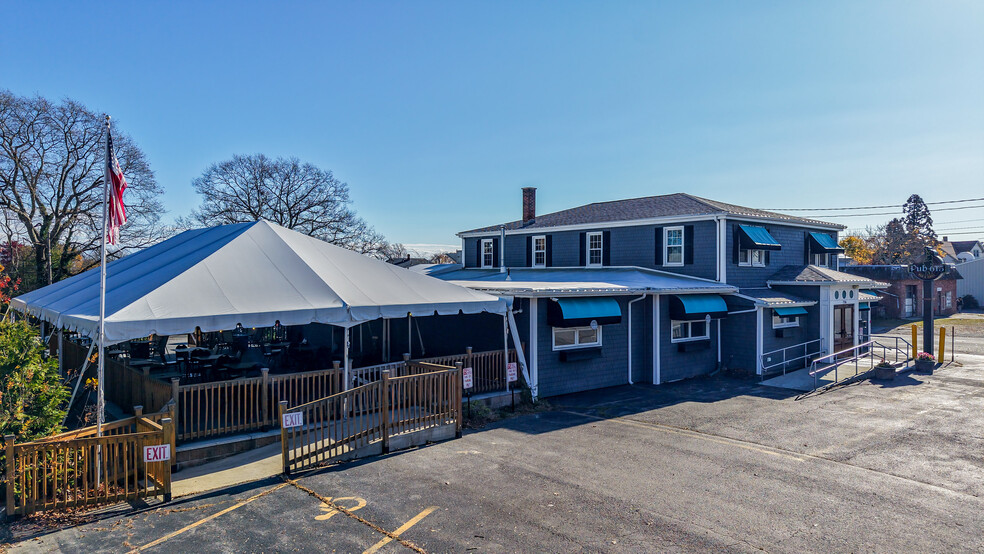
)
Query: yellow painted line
[
  {"x": 416, "y": 519},
  {"x": 187, "y": 528},
  {"x": 697, "y": 435}
]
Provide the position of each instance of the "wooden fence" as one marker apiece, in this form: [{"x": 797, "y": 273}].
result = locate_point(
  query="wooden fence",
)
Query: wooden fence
[
  {"x": 79, "y": 469},
  {"x": 342, "y": 424}
]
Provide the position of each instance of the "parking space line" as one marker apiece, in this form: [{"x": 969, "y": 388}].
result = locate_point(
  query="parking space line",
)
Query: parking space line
[
  {"x": 415, "y": 520},
  {"x": 186, "y": 528}
]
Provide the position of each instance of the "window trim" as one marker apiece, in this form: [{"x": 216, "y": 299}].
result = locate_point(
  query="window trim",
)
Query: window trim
[
  {"x": 825, "y": 260},
  {"x": 749, "y": 262},
  {"x": 577, "y": 345},
  {"x": 587, "y": 248},
  {"x": 788, "y": 324},
  {"x": 544, "y": 251},
  {"x": 681, "y": 246},
  {"x": 690, "y": 337},
  {"x": 491, "y": 253}
]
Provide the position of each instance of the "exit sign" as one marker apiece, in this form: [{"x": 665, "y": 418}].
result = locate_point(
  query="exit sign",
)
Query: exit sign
[{"x": 159, "y": 453}]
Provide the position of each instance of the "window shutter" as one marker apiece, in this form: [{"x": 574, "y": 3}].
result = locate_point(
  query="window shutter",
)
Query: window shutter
[
  {"x": 606, "y": 248},
  {"x": 495, "y": 252},
  {"x": 529, "y": 251},
  {"x": 583, "y": 250},
  {"x": 478, "y": 260},
  {"x": 806, "y": 247},
  {"x": 688, "y": 244},
  {"x": 735, "y": 245},
  {"x": 658, "y": 258},
  {"x": 767, "y": 256},
  {"x": 549, "y": 251}
]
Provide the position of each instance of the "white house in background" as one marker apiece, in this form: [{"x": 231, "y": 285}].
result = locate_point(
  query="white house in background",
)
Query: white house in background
[{"x": 959, "y": 251}]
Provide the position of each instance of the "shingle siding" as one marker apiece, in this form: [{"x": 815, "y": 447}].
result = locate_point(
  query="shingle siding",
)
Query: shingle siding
[
  {"x": 676, "y": 365},
  {"x": 793, "y": 241}
]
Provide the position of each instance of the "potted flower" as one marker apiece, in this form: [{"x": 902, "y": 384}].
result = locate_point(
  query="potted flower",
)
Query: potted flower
[
  {"x": 884, "y": 370},
  {"x": 925, "y": 362}
]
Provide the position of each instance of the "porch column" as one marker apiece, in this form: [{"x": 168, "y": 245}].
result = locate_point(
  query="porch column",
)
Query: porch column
[
  {"x": 759, "y": 338},
  {"x": 656, "y": 340}
]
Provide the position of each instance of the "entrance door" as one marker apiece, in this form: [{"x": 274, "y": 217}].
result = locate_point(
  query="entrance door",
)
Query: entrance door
[
  {"x": 843, "y": 327},
  {"x": 910, "y": 301}
]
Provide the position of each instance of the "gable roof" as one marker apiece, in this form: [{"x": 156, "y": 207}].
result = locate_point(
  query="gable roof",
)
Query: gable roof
[
  {"x": 954, "y": 247},
  {"x": 667, "y": 205},
  {"x": 811, "y": 275}
]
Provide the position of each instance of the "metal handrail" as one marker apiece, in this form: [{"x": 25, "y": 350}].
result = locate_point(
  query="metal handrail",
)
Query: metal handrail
[
  {"x": 806, "y": 354},
  {"x": 908, "y": 347},
  {"x": 837, "y": 363}
]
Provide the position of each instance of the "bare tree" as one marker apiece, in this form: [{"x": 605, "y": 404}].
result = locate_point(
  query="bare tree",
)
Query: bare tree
[
  {"x": 290, "y": 193},
  {"x": 52, "y": 159}
]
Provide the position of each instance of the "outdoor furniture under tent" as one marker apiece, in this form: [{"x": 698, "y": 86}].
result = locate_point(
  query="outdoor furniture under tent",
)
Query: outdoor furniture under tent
[{"x": 253, "y": 274}]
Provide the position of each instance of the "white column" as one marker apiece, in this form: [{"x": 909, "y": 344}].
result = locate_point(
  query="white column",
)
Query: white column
[
  {"x": 722, "y": 251},
  {"x": 348, "y": 363},
  {"x": 505, "y": 341},
  {"x": 656, "y": 340},
  {"x": 534, "y": 377},
  {"x": 759, "y": 338}
]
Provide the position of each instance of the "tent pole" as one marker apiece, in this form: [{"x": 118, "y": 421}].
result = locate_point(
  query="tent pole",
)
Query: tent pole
[
  {"x": 61, "y": 359},
  {"x": 505, "y": 345},
  {"x": 347, "y": 363},
  {"x": 409, "y": 335}
]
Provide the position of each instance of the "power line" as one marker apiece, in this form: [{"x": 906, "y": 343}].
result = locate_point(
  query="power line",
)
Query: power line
[
  {"x": 958, "y": 228},
  {"x": 897, "y": 213},
  {"x": 870, "y": 207}
]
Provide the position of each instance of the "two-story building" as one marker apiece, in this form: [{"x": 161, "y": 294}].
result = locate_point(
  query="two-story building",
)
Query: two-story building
[{"x": 662, "y": 288}]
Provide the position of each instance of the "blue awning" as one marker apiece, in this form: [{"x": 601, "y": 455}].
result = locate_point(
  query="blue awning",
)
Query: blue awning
[
  {"x": 864, "y": 306},
  {"x": 790, "y": 311},
  {"x": 754, "y": 237},
  {"x": 822, "y": 243},
  {"x": 580, "y": 312},
  {"x": 684, "y": 307}
]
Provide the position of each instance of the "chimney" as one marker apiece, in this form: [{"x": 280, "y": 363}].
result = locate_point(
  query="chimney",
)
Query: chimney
[
  {"x": 529, "y": 204},
  {"x": 946, "y": 238}
]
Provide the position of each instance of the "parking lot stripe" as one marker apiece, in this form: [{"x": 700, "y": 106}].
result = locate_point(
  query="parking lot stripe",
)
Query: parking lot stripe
[
  {"x": 415, "y": 520},
  {"x": 696, "y": 435},
  {"x": 186, "y": 528}
]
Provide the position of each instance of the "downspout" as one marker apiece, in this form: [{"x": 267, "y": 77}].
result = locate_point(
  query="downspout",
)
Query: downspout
[{"x": 631, "y": 302}]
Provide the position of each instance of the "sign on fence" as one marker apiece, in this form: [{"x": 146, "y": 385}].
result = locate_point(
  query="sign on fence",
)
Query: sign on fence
[
  {"x": 511, "y": 371},
  {"x": 466, "y": 378},
  {"x": 159, "y": 453},
  {"x": 293, "y": 419}
]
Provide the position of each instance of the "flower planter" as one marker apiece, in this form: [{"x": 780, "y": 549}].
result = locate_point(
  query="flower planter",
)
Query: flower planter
[
  {"x": 885, "y": 373},
  {"x": 924, "y": 366}
]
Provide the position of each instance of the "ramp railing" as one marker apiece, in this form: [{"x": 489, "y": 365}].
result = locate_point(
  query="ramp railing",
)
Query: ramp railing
[{"x": 785, "y": 356}]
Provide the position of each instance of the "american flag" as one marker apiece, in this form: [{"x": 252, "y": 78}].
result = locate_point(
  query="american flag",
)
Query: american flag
[{"x": 116, "y": 211}]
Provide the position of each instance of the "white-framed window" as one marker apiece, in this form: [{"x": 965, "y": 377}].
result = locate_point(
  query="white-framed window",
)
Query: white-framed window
[
  {"x": 685, "y": 331},
  {"x": 784, "y": 321},
  {"x": 488, "y": 252},
  {"x": 673, "y": 246},
  {"x": 821, "y": 259},
  {"x": 540, "y": 251},
  {"x": 595, "y": 245},
  {"x": 751, "y": 258},
  {"x": 565, "y": 338}
]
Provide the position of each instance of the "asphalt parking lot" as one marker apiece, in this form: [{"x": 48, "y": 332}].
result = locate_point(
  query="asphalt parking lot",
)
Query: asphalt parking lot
[{"x": 712, "y": 463}]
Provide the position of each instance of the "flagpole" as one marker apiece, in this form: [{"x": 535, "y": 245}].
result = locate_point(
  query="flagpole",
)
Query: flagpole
[{"x": 100, "y": 386}]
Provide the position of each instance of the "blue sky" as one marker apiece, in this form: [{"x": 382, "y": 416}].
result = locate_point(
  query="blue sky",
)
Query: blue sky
[{"x": 436, "y": 114}]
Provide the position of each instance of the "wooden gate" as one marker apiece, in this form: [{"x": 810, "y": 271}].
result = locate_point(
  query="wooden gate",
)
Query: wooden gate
[
  {"x": 77, "y": 469},
  {"x": 364, "y": 420}
]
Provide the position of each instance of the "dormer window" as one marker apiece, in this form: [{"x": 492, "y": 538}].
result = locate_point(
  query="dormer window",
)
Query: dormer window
[{"x": 595, "y": 249}]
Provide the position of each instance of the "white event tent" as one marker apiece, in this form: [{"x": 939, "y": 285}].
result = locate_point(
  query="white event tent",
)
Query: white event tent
[{"x": 250, "y": 273}]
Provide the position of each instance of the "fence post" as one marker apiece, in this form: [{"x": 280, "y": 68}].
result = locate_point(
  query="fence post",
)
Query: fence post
[
  {"x": 175, "y": 391},
  {"x": 8, "y": 442},
  {"x": 384, "y": 408},
  {"x": 406, "y": 363},
  {"x": 283, "y": 437},
  {"x": 265, "y": 396},
  {"x": 167, "y": 425},
  {"x": 458, "y": 391},
  {"x": 137, "y": 418}
]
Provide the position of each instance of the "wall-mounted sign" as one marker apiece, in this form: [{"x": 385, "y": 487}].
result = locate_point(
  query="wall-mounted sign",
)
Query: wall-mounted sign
[
  {"x": 927, "y": 272},
  {"x": 466, "y": 378},
  {"x": 512, "y": 372},
  {"x": 158, "y": 453},
  {"x": 293, "y": 419}
]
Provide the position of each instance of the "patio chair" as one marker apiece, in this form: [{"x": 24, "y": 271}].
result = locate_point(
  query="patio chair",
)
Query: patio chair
[{"x": 271, "y": 355}]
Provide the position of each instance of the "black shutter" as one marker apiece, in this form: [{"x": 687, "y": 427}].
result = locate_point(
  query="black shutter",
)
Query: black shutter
[
  {"x": 495, "y": 252},
  {"x": 767, "y": 257},
  {"x": 549, "y": 251},
  {"x": 582, "y": 249},
  {"x": 735, "y": 244},
  {"x": 806, "y": 247},
  {"x": 688, "y": 244},
  {"x": 606, "y": 248},
  {"x": 529, "y": 251},
  {"x": 478, "y": 261},
  {"x": 658, "y": 258}
]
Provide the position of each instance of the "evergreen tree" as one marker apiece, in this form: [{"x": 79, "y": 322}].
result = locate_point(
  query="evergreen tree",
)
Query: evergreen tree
[
  {"x": 919, "y": 225},
  {"x": 31, "y": 393}
]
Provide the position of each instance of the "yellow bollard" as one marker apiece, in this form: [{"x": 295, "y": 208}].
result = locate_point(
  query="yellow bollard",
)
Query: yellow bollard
[
  {"x": 942, "y": 344},
  {"x": 915, "y": 333}
]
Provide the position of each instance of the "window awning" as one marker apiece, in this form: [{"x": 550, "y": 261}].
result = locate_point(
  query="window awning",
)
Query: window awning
[
  {"x": 822, "y": 243},
  {"x": 754, "y": 237},
  {"x": 580, "y": 312},
  {"x": 864, "y": 306},
  {"x": 691, "y": 307},
  {"x": 799, "y": 310}
]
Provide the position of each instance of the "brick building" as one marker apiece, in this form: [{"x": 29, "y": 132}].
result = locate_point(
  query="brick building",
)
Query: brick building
[{"x": 904, "y": 296}]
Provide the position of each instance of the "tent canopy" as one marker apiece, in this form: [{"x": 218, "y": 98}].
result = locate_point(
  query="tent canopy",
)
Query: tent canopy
[{"x": 250, "y": 273}]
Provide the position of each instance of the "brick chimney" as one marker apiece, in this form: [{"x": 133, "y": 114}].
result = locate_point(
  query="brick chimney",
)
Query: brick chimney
[
  {"x": 946, "y": 238},
  {"x": 529, "y": 204}
]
